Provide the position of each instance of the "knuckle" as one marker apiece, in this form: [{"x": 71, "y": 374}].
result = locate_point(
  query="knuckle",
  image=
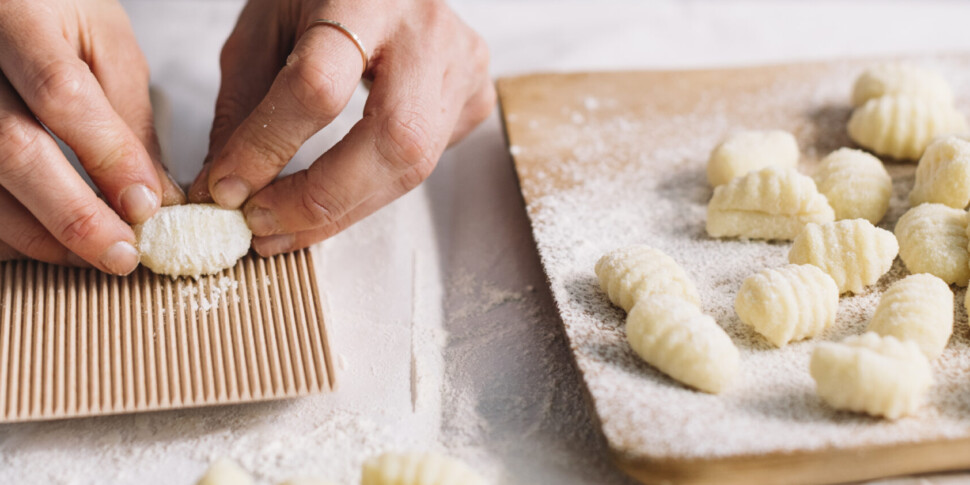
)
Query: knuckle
[
  {"x": 17, "y": 139},
  {"x": 480, "y": 53},
  {"x": 116, "y": 154},
  {"x": 273, "y": 147},
  {"x": 408, "y": 141},
  {"x": 418, "y": 173},
  {"x": 78, "y": 225},
  {"x": 57, "y": 85},
  {"x": 315, "y": 85},
  {"x": 320, "y": 205}
]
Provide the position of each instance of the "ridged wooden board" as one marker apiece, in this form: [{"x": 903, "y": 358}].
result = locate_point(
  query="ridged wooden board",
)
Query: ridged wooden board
[{"x": 76, "y": 342}]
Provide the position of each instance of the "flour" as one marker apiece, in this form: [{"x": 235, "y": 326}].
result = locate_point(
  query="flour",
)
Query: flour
[
  {"x": 205, "y": 295},
  {"x": 646, "y": 185}
]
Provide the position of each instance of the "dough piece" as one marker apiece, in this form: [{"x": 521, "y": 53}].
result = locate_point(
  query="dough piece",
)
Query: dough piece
[
  {"x": 193, "y": 240},
  {"x": 306, "y": 481},
  {"x": 881, "y": 376},
  {"x": 943, "y": 174},
  {"x": 918, "y": 308},
  {"x": 853, "y": 252},
  {"x": 902, "y": 127},
  {"x": 675, "y": 337},
  {"x": 901, "y": 79},
  {"x": 933, "y": 239},
  {"x": 747, "y": 151},
  {"x": 224, "y": 472},
  {"x": 417, "y": 469},
  {"x": 788, "y": 303},
  {"x": 856, "y": 185},
  {"x": 634, "y": 272},
  {"x": 772, "y": 203}
]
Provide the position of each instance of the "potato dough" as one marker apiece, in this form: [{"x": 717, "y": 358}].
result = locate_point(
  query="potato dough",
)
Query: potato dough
[
  {"x": 193, "y": 240},
  {"x": 225, "y": 472},
  {"x": 306, "y": 481},
  {"x": 877, "y": 375},
  {"x": 918, "y": 308},
  {"x": 902, "y": 127},
  {"x": 675, "y": 337},
  {"x": 772, "y": 203},
  {"x": 788, "y": 303},
  {"x": 853, "y": 252},
  {"x": 634, "y": 272},
  {"x": 417, "y": 469},
  {"x": 747, "y": 151},
  {"x": 943, "y": 174},
  {"x": 856, "y": 185},
  {"x": 901, "y": 79},
  {"x": 933, "y": 239}
]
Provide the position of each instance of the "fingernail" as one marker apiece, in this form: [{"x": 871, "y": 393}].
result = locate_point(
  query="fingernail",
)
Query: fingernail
[
  {"x": 230, "y": 192},
  {"x": 139, "y": 203},
  {"x": 272, "y": 245},
  {"x": 120, "y": 259},
  {"x": 262, "y": 221},
  {"x": 74, "y": 260}
]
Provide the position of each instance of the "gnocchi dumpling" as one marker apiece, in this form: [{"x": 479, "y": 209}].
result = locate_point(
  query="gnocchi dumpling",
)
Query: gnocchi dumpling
[
  {"x": 788, "y": 303},
  {"x": 772, "y": 203},
  {"x": 225, "y": 472},
  {"x": 933, "y": 239},
  {"x": 901, "y": 126},
  {"x": 918, "y": 308},
  {"x": 746, "y": 151},
  {"x": 853, "y": 252},
  {"x": 674, "y": 336},
  {"x": 856, "y": 185},
  {"x": 943, "y": 174},
  {"x": 899, "y": 78},
  {"x": 869, "y": 373},
  {"x": 634, "y": 272},
  {"x": 417, "y": 469}
]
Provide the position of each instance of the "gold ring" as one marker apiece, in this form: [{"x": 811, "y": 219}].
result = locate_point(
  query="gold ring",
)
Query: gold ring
[{"x": 350, "y": 35}]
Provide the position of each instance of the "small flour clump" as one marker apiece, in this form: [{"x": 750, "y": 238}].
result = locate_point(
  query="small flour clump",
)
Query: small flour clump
[{"x": 199, "y": 297}]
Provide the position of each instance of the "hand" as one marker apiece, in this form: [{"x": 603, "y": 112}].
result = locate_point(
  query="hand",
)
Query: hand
[
  {"x": 73, "y": 66},
  {"x": 430, "y": 88}
]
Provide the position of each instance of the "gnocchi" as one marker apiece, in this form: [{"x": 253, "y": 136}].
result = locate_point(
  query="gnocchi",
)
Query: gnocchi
[
  {"x": 631, "y": 273},
  {"x": 901, "y": 79},
  {"x": 856, "y": 185},
  {"x": 901, "y": 126},
  {"x": 881, "y": 376},
  {"x": 417, "y": 469},
  {"x": 943, "y": 174},
  {"x": 772, "y": 203},
  {"x": 918, "y": 308},
  {"x": 788, "y": 303},
  {"x": 675, "y": 337},
  {"x": 747, "y": 151},
  {"x": 225, "y": 472},
  {"x": 933, "y": 239},
  {"x": 853, "y": 252}
]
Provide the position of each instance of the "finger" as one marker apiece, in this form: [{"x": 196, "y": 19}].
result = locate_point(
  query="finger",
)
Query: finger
[
  {"x": 8, "y": 253},
  {"x": 479, "y": 107},
  {"x": 199, "y": 191},
  {"x": 62, "y": 92},
  {"x": 35, "y": 172},
  {"x": 24, "y": 234},
  {"x": 313, "y": 87},
  {"x": 407, "y": 122}
]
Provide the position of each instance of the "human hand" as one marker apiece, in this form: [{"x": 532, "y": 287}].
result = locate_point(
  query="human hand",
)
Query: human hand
[
  {"x": 430, "y": 88},
  {"x": 74, "y": 67}
]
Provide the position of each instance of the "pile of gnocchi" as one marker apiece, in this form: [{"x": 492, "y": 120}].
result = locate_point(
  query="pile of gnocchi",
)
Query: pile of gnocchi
[{"x": 901, "y": 111}]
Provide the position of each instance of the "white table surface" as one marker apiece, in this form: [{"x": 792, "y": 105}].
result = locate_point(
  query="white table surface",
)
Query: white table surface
[{"x": 445, "y": 334}]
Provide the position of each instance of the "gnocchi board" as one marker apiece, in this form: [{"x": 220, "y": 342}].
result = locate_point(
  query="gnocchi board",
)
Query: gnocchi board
[
  {"x": 78, "y": 342},
  {"x": 615, "y": 158}
]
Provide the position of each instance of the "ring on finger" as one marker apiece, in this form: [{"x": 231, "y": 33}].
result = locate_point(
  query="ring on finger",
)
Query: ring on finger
[{"x": 350, "y": 35}]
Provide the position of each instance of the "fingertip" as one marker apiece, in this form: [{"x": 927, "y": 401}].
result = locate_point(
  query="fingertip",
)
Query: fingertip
[
  {"x": 121, "y": 258},
  {"x": 268, "y": 246},
  {"x": 262, "y": 221},
  {"x": 172, "y": 193},
  {"x": 199, "y": 190},
  {"x": 230, "y": 192},
  {"x": 138, "y": 203}
]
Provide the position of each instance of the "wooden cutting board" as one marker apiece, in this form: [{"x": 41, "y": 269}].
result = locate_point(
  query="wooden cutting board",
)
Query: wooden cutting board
[{"x": 616, "y": 158}]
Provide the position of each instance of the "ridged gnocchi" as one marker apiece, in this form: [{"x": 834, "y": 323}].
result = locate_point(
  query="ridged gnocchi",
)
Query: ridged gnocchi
[
  {"x": 747, "y": 151},
  {"x": 417, "y": 469},
  {"x": 772, "y": 203},
  {"x": 933, "y": 239},
  {"x": 943, "y": 174},
  {"x": 901, "y": 79},
  {"x": 917, "y": 308},
  {"x": 856, "y": 185},
  {"x": 634, "y": 272},
  {"x": 853, "y": 252},
  {"x": 869, "y": 373},
  {"x": 788, "y": 303},
  {"x": 902, "y": 127},
  {"x": 674, "y": 336}
]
